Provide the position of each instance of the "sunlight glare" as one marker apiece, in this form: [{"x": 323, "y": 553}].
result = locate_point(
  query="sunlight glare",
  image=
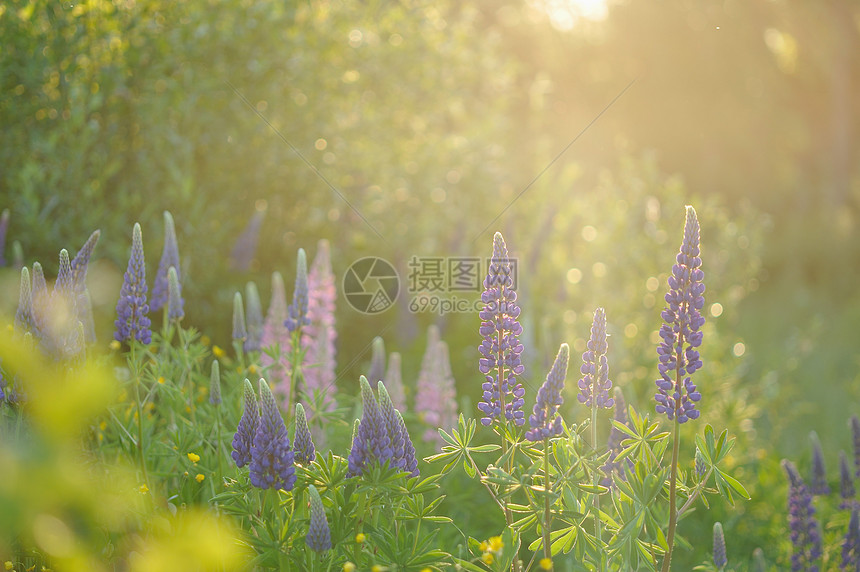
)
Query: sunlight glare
[{"x": 565, "y": 14}]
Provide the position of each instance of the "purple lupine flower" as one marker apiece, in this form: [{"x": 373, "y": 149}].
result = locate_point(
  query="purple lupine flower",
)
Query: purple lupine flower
[
  {"x": 545, "y": 422},
  {"x": 67, "y": 339},
  {"x": 818, "y": 478},
  {"x": 681, "y": 333},
  {"x": 394, "y": 382},
  {"x": 272, "y": 459},
  {"x": 246, "y": 245},
  {"x": 253, "y": 318},
  {"x": 803, "y": 526},
  {"x": 377, "y": 361},
  {"x": 63, "y": 296},
  {"x": 846, "y": 483},
  {"x": 303, "y": 443},
  {"x": 215, "y": 384},
  {"x": 851, "y": 544},
  {"x": 240, "y": 334},
  {"x": 276, "y": 338},
  {"x": 318, "y": 337},
  {"x": 4, "y": 227},
  {"x": 613, "y": 444},
  {"x": 392, "y": 426},
  {"x": 409, "y": 463},
  {"x": 720, "y": 559},
  {"x": 371, "y": 442},
  {"x": 81, "y": 261},
  {"x": 8, "y": 391},
  {"x": 132, "y": 322},
  {"x": 318, "y": 538},
  {"x": 41, "y": 301},
  {"x": 169, "y": 257},
  {"x": 594, "y": 384},
  {"x": 298, "y": 310},
  {"x": 701, "y": 465},
  {"x": 501, "y": 348},
  {"x": 855, "y": 438},
  {"x": 175, "y": 303},
  {"x": 24, "y": 314},
  {"x": 436, "y": 393},
  {"x": 247, "y": 429}
]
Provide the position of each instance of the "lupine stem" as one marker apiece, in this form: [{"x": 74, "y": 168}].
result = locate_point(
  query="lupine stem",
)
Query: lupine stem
[
  {"x": 598, "y": 531},
  {"x": 673, "y": 514},
  {"x": 136, "y": 374},
  {"x": 547, "y": 516}
]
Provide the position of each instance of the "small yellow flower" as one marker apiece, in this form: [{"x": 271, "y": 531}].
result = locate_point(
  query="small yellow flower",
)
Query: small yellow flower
[
  {"x": 252, "y": 368},
  {"x": 349, "y": 567},
  {"x": 9, "y": 565},
  {"x": 143, "y": 489},
  {"x": 185, "y": 474},
  {"x": 103, "y": 425},
  {"x": 378, "y": 568},
  {"x": 187, "y": 409},
  {"x": 205, "y": 340},
  {"x": 495, "y": 544},
  {"x": 219, "y": 353},
  {"x": 360, "y": 537},
  {"x": 193, "y": 457},
  {"x": 114, "y": 345},
  {"x": 199, "y": 478},
  {"x": 161, "y": 379},
  {"x": 546, "y": 563},
  {"x": 487, "y": 557}
]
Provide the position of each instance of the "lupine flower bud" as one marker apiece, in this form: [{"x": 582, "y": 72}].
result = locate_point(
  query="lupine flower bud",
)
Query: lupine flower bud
[
  {"x": 246, "y": 245},
  {"x": 169, "y": 257},
  {"x": 720, "y": 559},
  {"x": 319, "y": 535},
  {"x": 595, "y": 384},
  {"x": 701, "y": 466},
  {"x": 271, "y": 456},
  {"x": 298, "y": 310},
  {"x": 215, "y": 384},
  {"x": 175, "y": 303},
  {"x": 803, "y": 526},
  {"x": 394, "y": 381},
  {"x": 371, "y": 442},
  {"x": 240, "y": 334},
  {"x": 40, "y": 300},
  {"x": 409, "y": 462},
  {"x": 377, "y": 361},
  {"x": 247, "y": 429},
  {"x": 500, "y": 362},
  {"x": 82, "y": 260},
  {"x": 253, "y": 318},
  {"x": 846, "y": 482},
  {"x": 545, "y": 421},
  {"x": 24, "y": 313},
  {"x": 304, "y": 445},
  {"x": 818, "y": 482},
  {"x": 132, "y": 322},
  {"x": 681, "y": 335},
  {"x": 851, "y": 544},
  {"x": 759, "y": 563}
]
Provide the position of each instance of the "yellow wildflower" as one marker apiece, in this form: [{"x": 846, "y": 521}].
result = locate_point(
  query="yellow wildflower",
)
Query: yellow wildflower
[
  {"x": 114, "y": 345},
  {"x": 219, "y": 353},
  {"x": 349, "y": 567},
  {"x": 495, "y": 544},
  {"x": 161, "y": 379},
  {"x": 103, "y": 425},
  {"x": 487, "y": 558},
  {"x": 546, "y": 563},
  {"x": 252, "y": 368},
  {"x": 360, "y": 537},
  {"x": 193, "y": 457},
  {"x": 143, "y": 489},
  {"x": 9, "y": 565},
  {"x": 199, "y": 478},
  {"x": 378, "y": 568}
]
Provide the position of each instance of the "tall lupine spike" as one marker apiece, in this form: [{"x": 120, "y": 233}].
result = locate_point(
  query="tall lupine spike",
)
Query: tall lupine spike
[
  {"x": 298, "y": 310},
  {"x": 24, "y": 313},
  {"x": 759, "y": 563},
  {"x": 681, "y": 332},
  {"x": 253, "y": 317},
  {"x": 4, "y": 227},
  {"x": 41, "y": 301},
  {"x": 397, "y": 434},
  {"x": 818, "y": 481},
  {"x": 500, "y": 350},
  {"x": 215, "y": 384},
  {"x": 371, "y": 442},
  {"x": 394, "y": 381},
  {"x": 132, "y": 322},
  {"x": 64, "y": 322},
  {"x": 545, "y": 422},
  {"x": 318, "y": 337},
  {"x": 409, "y": 463},
  {"x": 427, "y": 402},
  {"x": 240, "y": 334},
  {"x": 276, "y": 336},
  {"x": 303, "y": 443},
  {"x": 851, "y": 544},
  {"x": 169, "y": 257},
  {"x": 377, "y": 361},
  {"x": 318, "y": 538},
  {"x": 355, "y": 425},
  {"x": 175, "y": 303},
  {"x": 247, "y": 429},
  {"x": 846, "y": 483},
  {"x": 720, "y": 559},
  {"x": 595, "y": 384},
  {"x": 81, "y": 261},
  {"x": 63, "y": 296},
  {"x": 803, "y": 526},
  {"x": 246, "y": 245},
  {"x": 855, "y": 438},
  {"x": 272, "y": 458}
]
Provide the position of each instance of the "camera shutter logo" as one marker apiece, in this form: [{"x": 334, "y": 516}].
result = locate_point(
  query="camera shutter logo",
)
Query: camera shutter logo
[{"x": 371, "y": 285}]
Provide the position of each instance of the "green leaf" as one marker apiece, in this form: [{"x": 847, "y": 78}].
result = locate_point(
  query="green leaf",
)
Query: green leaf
[
  {"x": 734, "y": 484},
  {"x": 470, "y": 470}
]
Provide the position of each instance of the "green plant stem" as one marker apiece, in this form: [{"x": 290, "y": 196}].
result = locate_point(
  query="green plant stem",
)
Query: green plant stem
[
  {"x": 139, "y": 405},
  {"x": 598, "y": 529},
  {"x": 673, "y": 514},
  {"x": 547, "y": 515}
]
